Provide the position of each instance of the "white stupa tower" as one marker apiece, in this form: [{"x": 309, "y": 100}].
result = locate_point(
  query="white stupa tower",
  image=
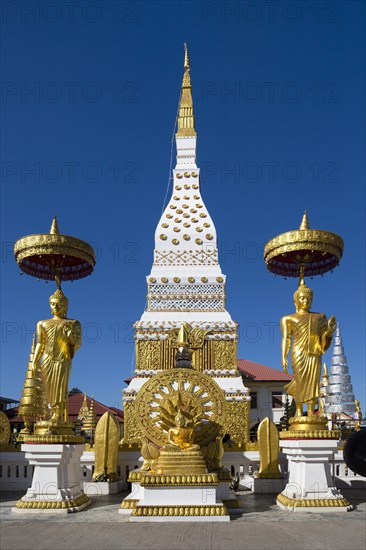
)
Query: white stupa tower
[
  {"x": 340, "y": 397},
  {"x": 186, "y": 285},
  {"x": 186, "y": 282}
]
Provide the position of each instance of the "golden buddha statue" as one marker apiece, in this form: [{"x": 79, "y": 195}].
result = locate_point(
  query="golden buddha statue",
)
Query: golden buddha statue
[
  {"x": 311, "y": 335},
  {"x": 182, "y": 436},
  {"x": 57, "y": 341}
]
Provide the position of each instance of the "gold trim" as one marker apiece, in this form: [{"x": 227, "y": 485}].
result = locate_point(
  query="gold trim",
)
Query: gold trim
[
  {"x": 53, "y": 505},
  {"x": 128, "y": 504},
  {"x": 311, "y": 434},
  {"x": 66, "y": 438},
  {"x": 161, "y": 480},
  {"x": 295, "y": 240},
  {"x": 313, "y": 502},
  {"x": 135, "y": 475},
  {"x": 180, "y": 511}
]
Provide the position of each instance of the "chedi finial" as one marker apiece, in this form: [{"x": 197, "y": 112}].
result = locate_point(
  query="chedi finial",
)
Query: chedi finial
[
  {"x": 304, "y": 222},
  {"x": 54, "y": 227}
]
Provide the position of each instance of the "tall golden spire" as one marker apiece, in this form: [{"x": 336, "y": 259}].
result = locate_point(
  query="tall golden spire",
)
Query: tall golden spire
[{"x": 186, "y": 115}]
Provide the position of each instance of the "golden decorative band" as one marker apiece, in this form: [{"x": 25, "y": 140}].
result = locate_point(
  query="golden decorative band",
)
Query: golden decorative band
[
  {"x": 159, "y": 480},
  {"x": 135, "y": 475},
  {"x": 295, "y": 240},
  {"x": 128, "y": 504},
  {"x": 180, "y": 511},
  {"x": 311, "y": 434},
  {"x": 52, "y": 504},
  {"x": 313, "y": 502},
  {"x": 66, "y": 438}
]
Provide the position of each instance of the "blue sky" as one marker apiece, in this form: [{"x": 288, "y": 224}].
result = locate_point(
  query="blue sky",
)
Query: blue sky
[{"x": 89, "y": 99}]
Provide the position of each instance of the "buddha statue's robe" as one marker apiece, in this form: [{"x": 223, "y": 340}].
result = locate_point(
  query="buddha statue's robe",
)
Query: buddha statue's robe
[{"x": 310, "y": 341}]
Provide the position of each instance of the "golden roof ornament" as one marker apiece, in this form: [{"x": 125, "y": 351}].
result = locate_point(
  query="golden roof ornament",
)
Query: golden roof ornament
[
  {"x": 54, "y": 227},
  {"x": 304, "y": 250}
]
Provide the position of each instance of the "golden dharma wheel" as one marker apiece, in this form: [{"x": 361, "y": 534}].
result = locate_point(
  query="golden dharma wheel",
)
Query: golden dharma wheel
[
  {"x": 182, "y": 389},
  {"x": 51, "y": 255},
  {"x": 303, "y": 251}
]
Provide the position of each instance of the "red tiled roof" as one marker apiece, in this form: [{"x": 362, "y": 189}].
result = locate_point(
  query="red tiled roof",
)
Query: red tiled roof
[
  {"x": 75, "y": 402},
  {"x": 261, "y": 373},
  {"x": 255, "y": 371}
]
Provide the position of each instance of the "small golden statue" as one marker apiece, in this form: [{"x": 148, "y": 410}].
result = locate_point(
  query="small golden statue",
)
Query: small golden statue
[
  {"x": 57, "y": 341},
  {"x": 182, "y": 436},
  {"x": 358, "y": 415},
  {"x": 311, "y": 335}
]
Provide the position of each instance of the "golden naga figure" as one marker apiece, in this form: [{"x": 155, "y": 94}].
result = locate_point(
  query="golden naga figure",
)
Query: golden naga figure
[
  {"x": 57, "y": 341},
  {"x": 311, "y": 335}
]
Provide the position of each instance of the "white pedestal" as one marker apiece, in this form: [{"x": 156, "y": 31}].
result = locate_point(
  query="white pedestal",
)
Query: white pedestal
[
  {"x": 310, "y": 487},
  {"x": 56, "y": 479},
  {"x": 172, "y": 503}
]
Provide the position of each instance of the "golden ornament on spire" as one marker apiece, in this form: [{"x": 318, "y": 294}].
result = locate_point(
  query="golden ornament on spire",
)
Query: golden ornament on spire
[
  {"x": 304, "y": 222},
  {"x": 54, "y": 227},
  {"x": 186, "y": 115}
]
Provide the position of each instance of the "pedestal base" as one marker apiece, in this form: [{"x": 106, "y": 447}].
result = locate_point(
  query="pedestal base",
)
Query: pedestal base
[
  {"x": 176, "y": 497},
  {"x": 310, "y": 487},
  {"x": 56, "y": 480}
]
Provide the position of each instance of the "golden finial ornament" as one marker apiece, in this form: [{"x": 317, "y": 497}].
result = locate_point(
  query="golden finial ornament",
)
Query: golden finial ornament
[
  {"x": 304, "y": 222},
  {"x": 186, "y": 57},
  {"x": 186, "y": 115},
  {"x": 54, "y": 227}
]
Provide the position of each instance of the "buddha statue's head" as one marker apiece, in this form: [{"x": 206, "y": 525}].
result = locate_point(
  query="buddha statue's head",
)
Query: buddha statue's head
[
  {"x": 303, "y": 297},
  {"x": 59, "y": 304},
  {"x": 180, "y": 420}
]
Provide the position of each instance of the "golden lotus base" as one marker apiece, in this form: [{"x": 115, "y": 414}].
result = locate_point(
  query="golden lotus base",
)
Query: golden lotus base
[
  {"x": 217, "y": 512},
  {"x": 335, "y": 504},
  {"x": 162, "y": 480},
  {"x": 308, "y": 423},
  {"x": 69, "y": 505},
  {"x": 48, "y": 431},
  {"x": 188, "y": 462}
]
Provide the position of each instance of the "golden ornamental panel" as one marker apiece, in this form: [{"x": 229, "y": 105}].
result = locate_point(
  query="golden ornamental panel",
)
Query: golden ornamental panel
[
  {"x": 237, "y": 421},
  {"x": 132, "y": 432},
  {"x": 148, "y": 354},
  {"x": 224, "y": 354}
]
